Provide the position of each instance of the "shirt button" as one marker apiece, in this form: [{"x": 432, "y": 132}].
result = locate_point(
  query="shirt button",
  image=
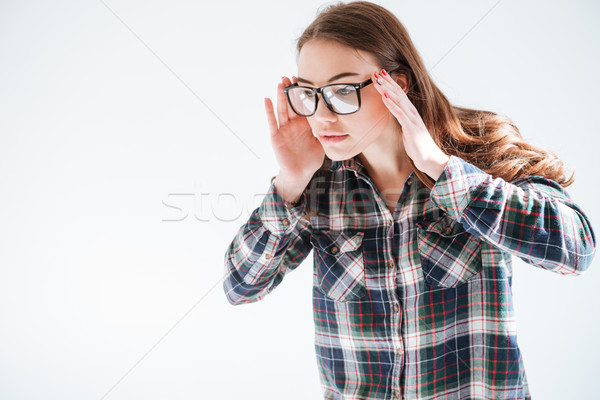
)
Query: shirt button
[
  {"x": 390, "y": 264},
  {"x": 399, "y": 351},
  {"x": 396, "y": 308},
  {"x": 396, "y": 394},
  {"x": 286, "y": 221},
  {"x": 444, "y": 209},
  {"x": 334, "y": 250},
  {"x": 448, "y": 230},
  {"x": 390, "y": 222},
  {"x": 408, "y": 182},
  {"x": 267, "y": 256}
]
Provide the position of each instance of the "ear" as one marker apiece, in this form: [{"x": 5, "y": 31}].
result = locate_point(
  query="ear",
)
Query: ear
[{"x": 402, "y": 80}]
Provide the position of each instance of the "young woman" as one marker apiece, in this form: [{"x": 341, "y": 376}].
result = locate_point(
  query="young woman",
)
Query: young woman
[{"x": 413, "y": 208}]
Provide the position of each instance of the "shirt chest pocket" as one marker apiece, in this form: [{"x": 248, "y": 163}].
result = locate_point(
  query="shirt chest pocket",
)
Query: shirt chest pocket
[
  {"x": 339, "y": 264},
  {"x": 450, "y": 256}
]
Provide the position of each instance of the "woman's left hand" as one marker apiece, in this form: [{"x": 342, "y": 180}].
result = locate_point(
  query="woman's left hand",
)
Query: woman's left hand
[{"x": 418, "y": 143}]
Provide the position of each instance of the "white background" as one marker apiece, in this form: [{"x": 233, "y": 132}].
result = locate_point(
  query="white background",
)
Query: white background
[{"x": 134, "y": 144}]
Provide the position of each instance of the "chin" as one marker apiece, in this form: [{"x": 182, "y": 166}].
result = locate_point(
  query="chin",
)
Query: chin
[{"x": 339, "y": 156}]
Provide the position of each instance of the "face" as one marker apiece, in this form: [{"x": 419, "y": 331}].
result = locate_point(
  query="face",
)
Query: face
[{"x": 318, "y": 62}]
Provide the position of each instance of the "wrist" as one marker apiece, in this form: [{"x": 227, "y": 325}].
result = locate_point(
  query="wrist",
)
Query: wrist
[
  {"x": 284, "y": 176},
  {"x": 290, "y": 189},
  {"x": 435, "y": 165}
]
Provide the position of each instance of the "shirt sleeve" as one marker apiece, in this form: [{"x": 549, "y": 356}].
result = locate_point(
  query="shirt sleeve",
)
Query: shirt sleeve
[
  {"x": 274, "y": 241},
  {"x": 533, "y": 217}
]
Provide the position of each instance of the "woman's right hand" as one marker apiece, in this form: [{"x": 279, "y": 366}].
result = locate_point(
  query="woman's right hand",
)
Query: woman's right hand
[{"x": 298, "y": 152}]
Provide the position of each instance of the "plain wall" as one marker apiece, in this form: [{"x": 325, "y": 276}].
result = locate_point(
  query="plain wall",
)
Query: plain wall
[{"x": 134, "y": 144}]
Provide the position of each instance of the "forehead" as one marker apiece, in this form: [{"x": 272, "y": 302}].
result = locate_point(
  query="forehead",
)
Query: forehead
[{"x": 319, "y": 60}]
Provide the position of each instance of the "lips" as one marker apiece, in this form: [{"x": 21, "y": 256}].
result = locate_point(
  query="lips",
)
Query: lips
[
  {"x": 326, "y": 134},
  {"x": 333, "y": 138}
]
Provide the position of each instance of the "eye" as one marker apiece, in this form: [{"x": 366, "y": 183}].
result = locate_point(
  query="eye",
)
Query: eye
[
  {"x": 307, "y": 93},
  {"x": 344, "y": 90}
]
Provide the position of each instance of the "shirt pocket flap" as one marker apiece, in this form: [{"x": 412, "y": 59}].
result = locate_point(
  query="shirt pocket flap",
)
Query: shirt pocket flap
[
  {"x": 339, "y": 264},
  {"x": 334, "y": 242},
  {"x": 444, "y": 226},
  {"x": 450, "y": 256}
]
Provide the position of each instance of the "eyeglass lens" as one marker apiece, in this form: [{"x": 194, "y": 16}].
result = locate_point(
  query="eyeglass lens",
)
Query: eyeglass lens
[{"x": 342, "y": 98}]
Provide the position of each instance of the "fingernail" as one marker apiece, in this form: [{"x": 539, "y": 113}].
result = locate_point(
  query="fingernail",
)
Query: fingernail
[
  {"x": 386, "y": 96},
  {"x": 376, "y": 76},
  {"x": 383, "y": 72}
]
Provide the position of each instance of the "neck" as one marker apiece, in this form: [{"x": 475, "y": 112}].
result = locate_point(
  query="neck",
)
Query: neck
[
  {"x": 389, "y": 173},
  {"x": 386, "y": 161}
]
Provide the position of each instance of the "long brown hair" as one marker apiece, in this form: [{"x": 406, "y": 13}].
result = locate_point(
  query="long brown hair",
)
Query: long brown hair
[{"x": 485, "y": 139}]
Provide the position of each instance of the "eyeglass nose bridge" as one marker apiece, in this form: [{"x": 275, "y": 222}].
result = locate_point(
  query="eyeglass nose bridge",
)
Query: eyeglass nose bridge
[{"x": 327, "y": 103}]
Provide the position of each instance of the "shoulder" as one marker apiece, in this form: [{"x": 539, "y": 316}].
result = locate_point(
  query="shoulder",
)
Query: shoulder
[{"x": 544, "y": 185}]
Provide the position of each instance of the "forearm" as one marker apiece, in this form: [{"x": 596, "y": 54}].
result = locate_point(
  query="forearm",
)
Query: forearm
[
  {"x": 533, "y": 218},
  {"x": 272, "y": 242}
]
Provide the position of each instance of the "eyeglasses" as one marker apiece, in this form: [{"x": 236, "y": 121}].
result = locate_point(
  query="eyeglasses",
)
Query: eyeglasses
[{"x": 340, "y": 98}]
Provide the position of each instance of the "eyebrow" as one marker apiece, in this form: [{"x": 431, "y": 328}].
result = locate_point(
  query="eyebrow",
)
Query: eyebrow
[{"x": 333, "y": 78}]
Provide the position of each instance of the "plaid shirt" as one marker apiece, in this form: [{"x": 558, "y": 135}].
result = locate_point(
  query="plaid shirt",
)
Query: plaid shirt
[{"x": 414, "y": 304}]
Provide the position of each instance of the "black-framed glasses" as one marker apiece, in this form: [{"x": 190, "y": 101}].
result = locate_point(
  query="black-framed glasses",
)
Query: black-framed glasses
[{"x": 340, "y": 98}]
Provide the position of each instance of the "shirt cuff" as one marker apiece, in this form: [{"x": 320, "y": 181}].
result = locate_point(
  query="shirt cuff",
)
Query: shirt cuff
[
  {"x": 458, "y": 184},
  {"x": 276, "y": 217}
]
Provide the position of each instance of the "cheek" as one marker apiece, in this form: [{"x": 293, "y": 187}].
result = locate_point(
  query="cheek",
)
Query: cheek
[
  {"x": 372, "y": 110},
  {"x": 372, "y": 101},
  {"x": 313, "y": 125}
]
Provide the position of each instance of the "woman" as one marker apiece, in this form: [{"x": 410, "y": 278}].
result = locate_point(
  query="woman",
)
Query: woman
[{"x": 413, "y": 208}]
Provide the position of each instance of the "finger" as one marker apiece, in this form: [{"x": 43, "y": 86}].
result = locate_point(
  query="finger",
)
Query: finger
[
  {"x": 291, "y": 113},
  {"x": 392, "y": 88},
  {"x": 272, "y": 122},
  {"x": 396, "y": 92},
  {"x": 388, "y": 97},
  {"x": 399, "y": 108},
  {"x": 397, "y": 111},
  {"x": 282, "y": 113}
]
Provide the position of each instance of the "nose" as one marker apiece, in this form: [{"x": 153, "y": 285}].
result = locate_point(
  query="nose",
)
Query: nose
[{"x": 322, "y": 113}]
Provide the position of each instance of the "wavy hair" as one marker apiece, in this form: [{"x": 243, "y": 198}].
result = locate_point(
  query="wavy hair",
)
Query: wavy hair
[{"x": 488, "y": 140}]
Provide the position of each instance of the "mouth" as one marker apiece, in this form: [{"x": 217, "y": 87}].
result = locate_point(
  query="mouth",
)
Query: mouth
[
  {"x": 330, "y": 134},
  {"x": 332, "y": 137}
]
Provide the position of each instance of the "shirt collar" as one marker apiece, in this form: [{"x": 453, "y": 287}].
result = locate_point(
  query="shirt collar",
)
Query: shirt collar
[{"x": 351, "y": 163}]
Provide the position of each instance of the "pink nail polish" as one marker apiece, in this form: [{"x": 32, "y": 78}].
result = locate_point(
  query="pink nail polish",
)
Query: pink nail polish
[
  {"x": 383, "y": 72},
  {"x": 376, "y": 76}
]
